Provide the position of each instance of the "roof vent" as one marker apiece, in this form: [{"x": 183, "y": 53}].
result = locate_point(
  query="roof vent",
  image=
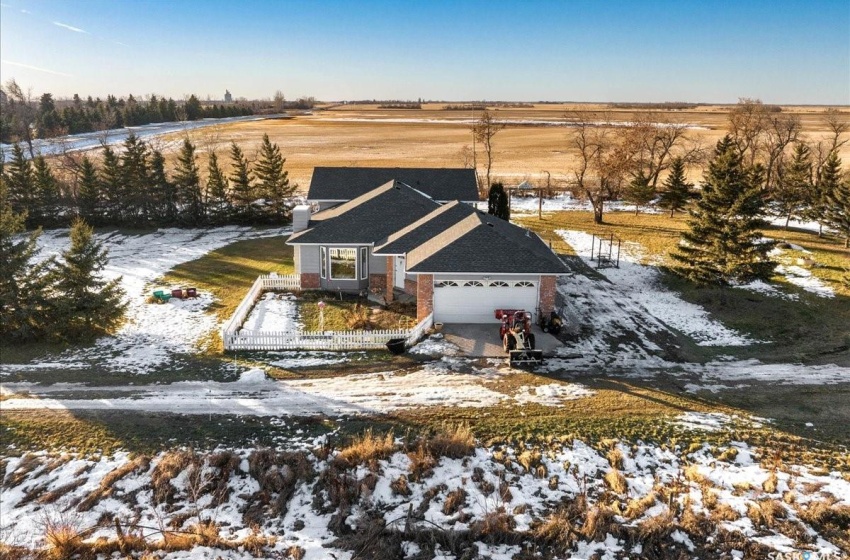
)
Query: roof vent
[
  {"x": 490, "y": 224},
  {"x": 527, "y": 233}
]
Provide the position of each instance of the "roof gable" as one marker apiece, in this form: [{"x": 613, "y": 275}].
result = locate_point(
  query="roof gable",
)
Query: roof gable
[
  {"x": 482, "y": 243},
  {"x": 346, "y": 183},
  {"x": 368, "y": 218},
  {"x": 424, "y": 229}
]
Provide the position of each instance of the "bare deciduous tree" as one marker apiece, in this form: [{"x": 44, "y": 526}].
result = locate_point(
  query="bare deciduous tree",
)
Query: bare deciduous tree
[
  {"x": 653, "y": 140},
  {"x": 780, "y": 131},
  {"x": 600, "y": 162},
  {"x": 279, "y": 100},
  {"x": 484, "y": 129},
  {"x": 747, "y": 122},
  {"x": 23, "y": 112}
]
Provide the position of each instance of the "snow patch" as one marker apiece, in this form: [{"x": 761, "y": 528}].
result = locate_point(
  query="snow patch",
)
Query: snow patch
[
  {"x": 637, "y": 283},
  {"x": 552, "y": 394}
]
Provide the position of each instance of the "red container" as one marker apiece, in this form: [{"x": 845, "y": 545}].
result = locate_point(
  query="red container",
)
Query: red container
[
  {"x": 178, "y": 293},
  {"x": 191, "y": 292}
]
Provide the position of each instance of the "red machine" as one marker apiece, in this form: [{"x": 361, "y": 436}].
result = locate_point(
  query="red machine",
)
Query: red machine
[{"x": 517, "y": 338}]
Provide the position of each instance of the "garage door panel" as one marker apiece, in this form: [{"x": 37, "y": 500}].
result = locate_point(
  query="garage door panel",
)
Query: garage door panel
[{"x": 475, "y": 304}]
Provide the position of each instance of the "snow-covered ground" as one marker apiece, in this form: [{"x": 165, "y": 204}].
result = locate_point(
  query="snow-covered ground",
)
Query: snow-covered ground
[
  {"x": 624, "y": 317},
  {"x": 523, "y": 484},
  {"x": 152, "y": 332},
  {"x": 274, "y": 313},
  {"x": 435, "y": 384},
  {"x": 565, "y": 202},
  {"x": 635, "y": 286}
]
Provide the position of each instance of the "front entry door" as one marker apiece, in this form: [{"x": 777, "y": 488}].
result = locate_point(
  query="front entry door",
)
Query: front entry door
[{"x": 398, "y": 274}]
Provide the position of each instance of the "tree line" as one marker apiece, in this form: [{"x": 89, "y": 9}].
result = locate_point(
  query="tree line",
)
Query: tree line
[
  {"x": 23, "y": 119},
  {"x": 134, "y": 187}
]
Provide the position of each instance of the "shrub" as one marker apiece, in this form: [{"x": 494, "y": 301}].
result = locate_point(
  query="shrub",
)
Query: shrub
[
  {"x": 399, "y": 486},
  {"x": 598, "y": 523},
  {"x": 366, "y": 448},
  {"x": 616, "y": 481},
  {"x": 455, "y": 500},
  {"x": 422, "y": 463},
  {"x": 454, "y": 442}
]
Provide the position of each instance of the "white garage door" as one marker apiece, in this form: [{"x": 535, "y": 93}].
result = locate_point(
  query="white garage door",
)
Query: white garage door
[{"x": 475, "y": 301}]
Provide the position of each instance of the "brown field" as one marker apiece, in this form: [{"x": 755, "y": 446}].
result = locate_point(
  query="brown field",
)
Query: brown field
[{"x": 363, "y": 135}]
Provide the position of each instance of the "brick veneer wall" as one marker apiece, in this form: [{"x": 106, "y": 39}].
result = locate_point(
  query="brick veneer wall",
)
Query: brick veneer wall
[
  {"x": 378, "y": 283},
  {"x": 547, "y": 295},
  {"x": 410, "y": 287},
  {"x": 388, "y": 289},
  {"x": 424, "y": 296},
  {"x": 310, "y": 281}
]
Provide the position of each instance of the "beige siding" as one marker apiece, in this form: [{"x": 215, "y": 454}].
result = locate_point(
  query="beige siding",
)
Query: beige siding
[
  {"x": 310, "y": 258},
  {"x": 377, "y": 265}
]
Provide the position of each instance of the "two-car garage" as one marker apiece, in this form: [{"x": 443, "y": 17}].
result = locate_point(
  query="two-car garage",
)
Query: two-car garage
[{"x": 473, "y": 300}]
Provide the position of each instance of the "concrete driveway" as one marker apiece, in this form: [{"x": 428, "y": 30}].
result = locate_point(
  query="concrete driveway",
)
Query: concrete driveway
[{"x": 481, "y": 340}]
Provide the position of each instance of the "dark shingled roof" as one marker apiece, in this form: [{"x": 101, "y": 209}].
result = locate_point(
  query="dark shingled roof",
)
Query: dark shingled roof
[
  {"x": 424, "y": 229},
  {"x": 369, "y": 218},
  {"x": 485, "y": 244},
  {"x": 347, "y": 183}
]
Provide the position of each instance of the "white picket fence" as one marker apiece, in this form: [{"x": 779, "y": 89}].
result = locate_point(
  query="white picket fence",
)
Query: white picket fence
[
  {"x": 237, "y": 338},
  {"x": 263, "y": 283}
]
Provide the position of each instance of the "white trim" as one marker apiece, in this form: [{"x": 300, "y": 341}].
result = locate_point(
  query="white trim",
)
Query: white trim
[
  {"x": 363, "y": 263},
  {"x": 493, "y": 273},
  {"x": 331, "y": 243},
  {"x": 323, "y": 266}
]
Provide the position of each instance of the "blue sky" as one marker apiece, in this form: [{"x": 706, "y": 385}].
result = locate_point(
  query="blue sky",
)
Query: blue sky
[{"x": 780, "y": 52}]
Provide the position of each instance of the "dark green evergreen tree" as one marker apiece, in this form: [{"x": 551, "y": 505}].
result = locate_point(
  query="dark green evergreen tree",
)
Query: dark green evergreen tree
[
  {"x": 817, "y": 200},
  {"x": 24, "y": 287},
  {"x": 89, "y": 196},
  {"x": 112, "y": 187},
  {"x": 243, "y": 191},
  {"x": 86, "y": 304},
  {"x": 187, "y": 181},
  {"x": 162, "y": 189},
  {"x": 639, "y": 191},
  {"x": 273, "y": 180},
  {"x": 793, "y": 184},
  {"x": 47, "y": 205},
  {"x": 218, "y": 200},
  {"x": 136, "y": 196},
  {"x": 837, "y": 195},
  {"x": 677, "y": 191},
  {"x": 497, "y": 202},
  {"x": 724, "y": 244},
  {"x": 193, "y": 108},
  {"x": 20, "y": 181}
]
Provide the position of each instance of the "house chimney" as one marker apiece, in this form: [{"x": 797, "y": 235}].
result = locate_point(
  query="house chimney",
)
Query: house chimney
[{"x": 300, "y": 218}]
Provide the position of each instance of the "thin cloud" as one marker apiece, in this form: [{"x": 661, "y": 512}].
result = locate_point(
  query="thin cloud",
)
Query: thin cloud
[
  {"x": 70, "y": 27},
  {"x": 36, "y": 68},
  {"x": 26, "y": 12},
  {"x": 120, "y": 43}
]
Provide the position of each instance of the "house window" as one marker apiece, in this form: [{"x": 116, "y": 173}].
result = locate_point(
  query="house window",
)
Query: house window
[
  {"x": 445, "y": 284},
  {"x": 324, "y": 258},
  {"x": 498, "y": 284},
  {"x": 364, "y": 260},
  {"x": 343, "y": 263},
  {"x": 524, "y": 284},
  {"x": 474, "y": 284}
]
